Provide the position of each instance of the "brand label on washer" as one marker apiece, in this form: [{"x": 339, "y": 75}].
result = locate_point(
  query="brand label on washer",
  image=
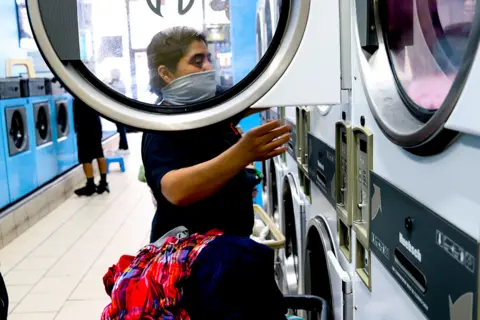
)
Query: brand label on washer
[
  {"x": 414, "y": 251},
  {"x": 431, "y": 260}
]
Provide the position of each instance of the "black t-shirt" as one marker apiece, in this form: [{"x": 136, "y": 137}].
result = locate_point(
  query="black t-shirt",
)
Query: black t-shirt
[
  {"x": 230, "y": 209},
  {"x": 86, "y": 118}
]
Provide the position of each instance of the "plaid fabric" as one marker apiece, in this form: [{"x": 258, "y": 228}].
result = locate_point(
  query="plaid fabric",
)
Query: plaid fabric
[{"x": 150, "y": 287}]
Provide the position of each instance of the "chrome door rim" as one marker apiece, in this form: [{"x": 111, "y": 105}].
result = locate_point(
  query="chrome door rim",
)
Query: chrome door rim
[{"x": 387, "y": 106}]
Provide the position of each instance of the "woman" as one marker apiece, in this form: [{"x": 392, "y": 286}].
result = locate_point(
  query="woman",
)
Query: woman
[
  {"x": 199, "y": 180},
  {"x": 198, "y": 176}
]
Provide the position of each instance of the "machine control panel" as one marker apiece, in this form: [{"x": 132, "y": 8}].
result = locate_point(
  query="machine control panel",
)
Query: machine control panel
[
  {"x": 344, "y": 176},
  {"x": 303, "y": 127},
  {"x": 281, "y": 111},
  {"x": 321, "y": 167},
  {"x": 343, "y": 143},
  {"x": 291, "y": 145},
  {"x": 362, "y": 155},
  {"x": 435, "y": 263},
  {"x": 362, "y": 164}
]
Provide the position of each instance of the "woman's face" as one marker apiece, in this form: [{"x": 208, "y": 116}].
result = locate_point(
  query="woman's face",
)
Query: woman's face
[{"x": 197, "y": 59}]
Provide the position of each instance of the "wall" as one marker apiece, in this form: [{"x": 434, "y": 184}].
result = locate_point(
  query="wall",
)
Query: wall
[
  {"x": 9, "y": 35},
  {"x": 244, "y": 54}
]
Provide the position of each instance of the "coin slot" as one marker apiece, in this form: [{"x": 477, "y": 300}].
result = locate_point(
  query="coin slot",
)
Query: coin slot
[
  {"x": 363, "y": 264},
  {"x": 411, "y": 271},
  {"x": 321, "y": 178},
  {"x": 344, "y": 235}
]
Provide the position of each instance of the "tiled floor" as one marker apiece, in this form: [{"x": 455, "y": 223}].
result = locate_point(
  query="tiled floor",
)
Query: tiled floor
[{"x": 54, "y": 270}]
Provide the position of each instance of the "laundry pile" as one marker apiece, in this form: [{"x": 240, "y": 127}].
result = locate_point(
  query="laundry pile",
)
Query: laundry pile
[{"x": 147, "y": 286}]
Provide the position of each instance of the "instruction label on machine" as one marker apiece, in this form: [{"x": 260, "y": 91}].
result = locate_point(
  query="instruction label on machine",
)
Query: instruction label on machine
[
  {"x": 321, "y": 167},
  {"x": 433, "y": 261}
]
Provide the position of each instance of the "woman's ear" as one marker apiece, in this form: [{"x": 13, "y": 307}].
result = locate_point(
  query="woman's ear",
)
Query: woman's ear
[{"x": 165, "y": 74}]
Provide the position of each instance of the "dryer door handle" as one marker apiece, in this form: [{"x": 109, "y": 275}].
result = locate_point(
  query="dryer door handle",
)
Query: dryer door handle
[{"x": 346, "y": 286}]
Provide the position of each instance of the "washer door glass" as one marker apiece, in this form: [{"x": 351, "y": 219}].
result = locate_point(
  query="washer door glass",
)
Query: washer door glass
[
  {"x": 426, "y": 42},
  {"x": 62, "y": 119},
  {"x": 42, "y": 123},
  {"x": 161, "y": 64},
  {"x": 414, "y": 57},
  {"x": 17, "y": 129}
]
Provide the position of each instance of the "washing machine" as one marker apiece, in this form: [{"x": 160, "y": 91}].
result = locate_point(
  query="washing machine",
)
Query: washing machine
[
  {"x": 292, "y": 214},
  {"x": 328, "y": 267},
  {"x": 277, "y": 167},
  {"x": 267, "y": 16},
  {"x": 4, "y": 189},
  {"x": 64, "y": 133},
  {"x": 19, "y": 140},
  {"x": 415, "y": 152},
  {"x": 45, "y": 151},
  {"x": 301, "y": 66}
]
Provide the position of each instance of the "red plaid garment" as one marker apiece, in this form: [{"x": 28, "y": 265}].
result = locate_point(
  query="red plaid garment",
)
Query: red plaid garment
[{"x": 150, "y": 286}]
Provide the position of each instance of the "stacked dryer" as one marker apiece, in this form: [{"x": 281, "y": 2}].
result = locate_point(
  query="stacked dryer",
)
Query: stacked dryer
[{"x": 416, "y": 208}]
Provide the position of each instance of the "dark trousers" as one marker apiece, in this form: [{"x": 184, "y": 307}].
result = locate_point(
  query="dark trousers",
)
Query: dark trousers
[{"x": 123, "y": 136}]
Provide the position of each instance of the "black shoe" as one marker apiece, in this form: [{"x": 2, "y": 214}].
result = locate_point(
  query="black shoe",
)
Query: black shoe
[
  {"x": 102, "y": 187},
  {"x": 88, "y": 190}
]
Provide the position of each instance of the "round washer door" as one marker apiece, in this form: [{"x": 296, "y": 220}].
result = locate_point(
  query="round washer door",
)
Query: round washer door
[
  {"x": 415, "y": 57},
  {"x": 123, "y": 59},
  {"x": 42, "y": 125},
  {"x": 18, "y": 130}
]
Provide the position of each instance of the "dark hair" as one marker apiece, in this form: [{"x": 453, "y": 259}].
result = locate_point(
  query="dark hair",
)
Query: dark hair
[{"x": 167, "y": 48}]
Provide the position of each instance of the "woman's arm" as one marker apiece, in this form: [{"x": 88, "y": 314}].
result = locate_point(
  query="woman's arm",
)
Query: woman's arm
[
  {"x": 185, "y": 186},
  {"x": 188, "y": 185}
]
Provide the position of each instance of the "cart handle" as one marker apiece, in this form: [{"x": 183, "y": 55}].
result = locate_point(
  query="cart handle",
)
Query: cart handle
[
  {"x": 26, "y": 62},
  {"x": 279, "y": 241}
]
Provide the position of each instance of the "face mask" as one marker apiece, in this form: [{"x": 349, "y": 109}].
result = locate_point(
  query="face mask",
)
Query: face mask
[{"x": 192, "y": 88}]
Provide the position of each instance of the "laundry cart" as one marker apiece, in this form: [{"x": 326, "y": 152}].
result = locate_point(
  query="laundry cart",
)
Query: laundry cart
[{"x": 266, "y": 232}]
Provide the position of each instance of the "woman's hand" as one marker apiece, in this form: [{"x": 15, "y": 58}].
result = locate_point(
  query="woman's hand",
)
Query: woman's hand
[{"x": 263, "y": 142}]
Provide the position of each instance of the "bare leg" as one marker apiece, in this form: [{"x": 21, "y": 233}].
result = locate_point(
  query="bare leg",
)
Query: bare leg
[
  {"x": 88, "y": 170},
  {"x": 102, "y": 165}
]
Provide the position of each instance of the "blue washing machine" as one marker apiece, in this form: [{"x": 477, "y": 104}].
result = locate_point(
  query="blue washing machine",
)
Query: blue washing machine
[
  {"x": 4, "y": 190},
  {"x": 19, "y": 139},
  {"x": 46, "y": 154},
  {"x": 64, "y": 132}
]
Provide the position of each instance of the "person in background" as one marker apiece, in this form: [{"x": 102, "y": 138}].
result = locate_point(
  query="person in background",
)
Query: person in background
[
  {"x": 117, "y": 84},
  {"x": 89, "y": 143}
]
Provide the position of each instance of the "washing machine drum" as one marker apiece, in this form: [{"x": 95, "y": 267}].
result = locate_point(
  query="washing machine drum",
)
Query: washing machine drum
[
  {"x": 62, "y": 119},
  {"x": 429, "y": 46},
  {"x": 42, "y": 124},
  {"x": 171, "y": 85},
  {"x": 17, "y": 130}
]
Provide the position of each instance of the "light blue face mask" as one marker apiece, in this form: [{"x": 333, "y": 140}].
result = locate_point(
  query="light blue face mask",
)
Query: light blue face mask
[{"x": 192, "y": 88}]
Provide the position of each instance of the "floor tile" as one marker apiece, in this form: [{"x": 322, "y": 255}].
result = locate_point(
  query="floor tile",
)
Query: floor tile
[
  {"x": 54, "y": 270},
  {"x": 33, "y": 316},
  {"x": 81, "y": 310}
]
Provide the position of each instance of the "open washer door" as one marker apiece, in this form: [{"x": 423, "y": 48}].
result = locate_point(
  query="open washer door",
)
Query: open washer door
[{"x": 82, "y": 41}]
